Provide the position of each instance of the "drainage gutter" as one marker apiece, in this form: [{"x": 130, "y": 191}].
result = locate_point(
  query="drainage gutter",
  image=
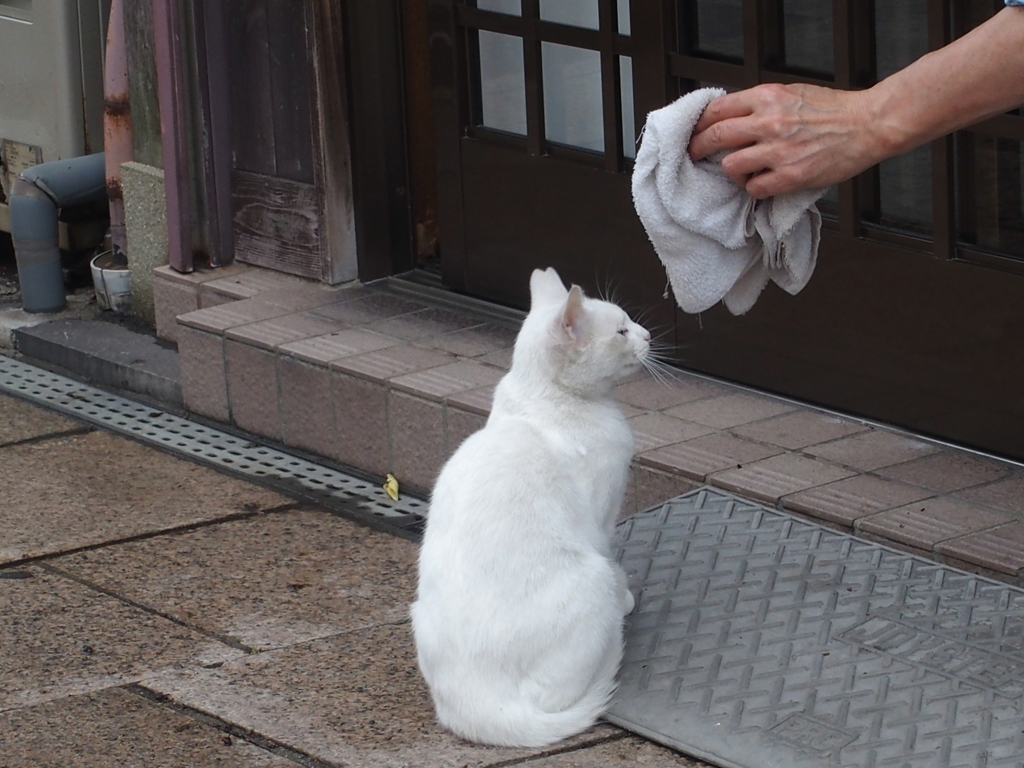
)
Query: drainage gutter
[{"x": 37, "y": 196}]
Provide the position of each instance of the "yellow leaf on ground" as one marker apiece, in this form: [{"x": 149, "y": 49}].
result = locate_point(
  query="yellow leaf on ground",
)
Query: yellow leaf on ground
[{"x": 391, "y": 486}]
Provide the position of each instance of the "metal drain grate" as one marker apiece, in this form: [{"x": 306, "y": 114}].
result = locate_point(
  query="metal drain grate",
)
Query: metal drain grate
[
  {"x": 277, "y": 469},
  {"x": 762, "y": 640}
]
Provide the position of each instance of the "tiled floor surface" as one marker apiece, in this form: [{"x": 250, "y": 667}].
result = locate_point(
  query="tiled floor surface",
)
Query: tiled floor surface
[
  {"x": 169, "y": 615},
  {"x": 392, "y": 383}
]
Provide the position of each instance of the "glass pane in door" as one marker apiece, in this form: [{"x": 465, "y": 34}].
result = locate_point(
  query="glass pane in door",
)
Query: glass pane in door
[
  {"x": 628, "y": 119},
  {"x": 502, "y": 82},
  {"x": 622, "y": 17},
  {"x": 904, "y": 182},
  {"x": 511, "y": 7},
  {"x": 712, "y": 27},
  {"x": 577, "y": 13},
  {"x": 807, "y": 36},
  {"x": 905, "y": 191},
  {"x": 573, "y": 107},
  {"x": 991, "y": 206}
]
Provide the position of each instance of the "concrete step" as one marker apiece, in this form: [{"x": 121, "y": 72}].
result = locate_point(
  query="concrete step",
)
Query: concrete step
[{"x": 107, "y": 354}]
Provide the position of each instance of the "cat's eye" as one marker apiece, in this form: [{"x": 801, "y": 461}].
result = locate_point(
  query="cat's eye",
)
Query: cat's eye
[{"x": 623, "y": 331}]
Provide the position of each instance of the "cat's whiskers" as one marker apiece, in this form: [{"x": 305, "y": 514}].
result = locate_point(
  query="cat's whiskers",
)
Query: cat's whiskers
[{"x": 656, "y": 364}]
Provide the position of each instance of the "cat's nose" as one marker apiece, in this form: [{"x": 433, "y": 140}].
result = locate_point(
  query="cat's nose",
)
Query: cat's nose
[{"x": 646, "y": 335}]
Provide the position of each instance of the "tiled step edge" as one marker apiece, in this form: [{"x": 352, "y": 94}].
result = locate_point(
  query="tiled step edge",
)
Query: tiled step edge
[{"x": 317, "y": 369}]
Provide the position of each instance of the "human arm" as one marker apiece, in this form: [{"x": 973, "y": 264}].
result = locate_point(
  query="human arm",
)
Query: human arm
[{"x": 793, "y": 137}]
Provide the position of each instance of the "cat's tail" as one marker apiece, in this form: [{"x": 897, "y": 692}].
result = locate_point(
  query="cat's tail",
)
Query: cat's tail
[{"x": 519, "y": 723}]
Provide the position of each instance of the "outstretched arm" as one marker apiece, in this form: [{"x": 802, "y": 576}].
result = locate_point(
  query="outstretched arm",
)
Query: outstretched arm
[{"x": 793, "y": 137}]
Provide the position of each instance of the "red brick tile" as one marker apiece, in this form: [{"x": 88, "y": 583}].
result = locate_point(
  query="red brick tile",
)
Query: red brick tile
[
  {"x": 947, "y": 471},
  {"x": 501, "y": 359},
  {"x": 310, "y": 296},
  {"x": 361, "y": 422},
  {"x": 730, "y": 410},
  {"x": 873, "y": 450},
  {"x": 999, "y": 549},
  {"x": 276, "y": 331},
  {"x": 855, "y": 497},
  {"x": 170, "y": 300},
  {"x": 778, "y": 476},
  {"x": 386, "y": 364},
  {"x": 472, "y": 342},
  {"x": 204, "y": 385},
  {"x": 799, "y": 429},
  {"x": 631, "y": 411},
  {"x": 197, "y": 276},
  {"x": 230, "y": 315},
  {"x": 333, "y": 346},
  {"x": 653, "y": 430},
  {"x": 1006, "y": 494},
  {"x": 252, "y": 389},
  {"x": 650, "y": 394},
  {"x": 307, "y": 406},
  {"x": 368, "y": 309},
  {"x": 924, "y": 524},
  {"x": 459, "y": 425},
  {"x": 654, "y": 487},
  {"x": 702, "y": 456},
  {"x": 418, "y": 448},
  {"x": 209, "y": 300},
  {"x": 249, "y": 283},
  {"x": 423, "y": 324},
  {"x": 442, "y": 381},
  {"x": 476, "y": 401}
]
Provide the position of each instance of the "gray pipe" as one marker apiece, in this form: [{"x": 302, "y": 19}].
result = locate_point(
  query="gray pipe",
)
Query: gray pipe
[{"x": 36, "y": 197}]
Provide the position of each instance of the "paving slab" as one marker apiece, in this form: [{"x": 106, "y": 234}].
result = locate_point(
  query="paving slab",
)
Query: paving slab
[
  {"x": 59, "y": 638},
  {"x": 107, "y": 354},
  {"x": 21, "y": 421},
  {"x": 118, "y": 728},
  {"x": 98, "y": 487},
  {"x": 290, "y": 577},
  {"x": 355, "y": 699}
]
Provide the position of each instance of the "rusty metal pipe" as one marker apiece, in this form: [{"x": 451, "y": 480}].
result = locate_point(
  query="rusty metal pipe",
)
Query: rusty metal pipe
[{"x": 117, "y": 124}]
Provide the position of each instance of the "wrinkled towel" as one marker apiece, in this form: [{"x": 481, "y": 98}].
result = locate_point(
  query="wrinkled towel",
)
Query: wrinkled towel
[{"x": 717, "y": 242}]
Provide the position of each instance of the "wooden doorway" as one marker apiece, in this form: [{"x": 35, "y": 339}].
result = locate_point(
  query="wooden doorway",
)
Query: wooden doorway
[
  {"x": 915, "y": 314},
  {"x": 291, "y": 187}
]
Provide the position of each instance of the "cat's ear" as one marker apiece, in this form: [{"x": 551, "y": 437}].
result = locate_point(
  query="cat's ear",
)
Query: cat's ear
[
  {"x": 546, "y": 287},
  {"x": 574, "y": 317}
]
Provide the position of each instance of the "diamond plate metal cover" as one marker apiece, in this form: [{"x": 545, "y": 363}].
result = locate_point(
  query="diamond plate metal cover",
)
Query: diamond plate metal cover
[{"x": 761, "y": 640}]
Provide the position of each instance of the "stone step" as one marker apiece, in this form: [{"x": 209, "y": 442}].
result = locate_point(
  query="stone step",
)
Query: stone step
[
  {"x": 389, "y": 380},
  {"x": 106, "y": 354}
]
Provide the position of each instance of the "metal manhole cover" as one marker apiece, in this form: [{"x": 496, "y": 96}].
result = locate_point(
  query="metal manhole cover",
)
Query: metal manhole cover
[{"x": 762, "y": 640}]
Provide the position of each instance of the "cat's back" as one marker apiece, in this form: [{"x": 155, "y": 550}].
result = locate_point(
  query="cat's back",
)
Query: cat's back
[{"x": 511, "y": 458}]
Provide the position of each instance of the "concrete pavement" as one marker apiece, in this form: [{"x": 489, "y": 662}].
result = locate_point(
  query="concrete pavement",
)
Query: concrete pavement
[{"x": 156, "y": 613}]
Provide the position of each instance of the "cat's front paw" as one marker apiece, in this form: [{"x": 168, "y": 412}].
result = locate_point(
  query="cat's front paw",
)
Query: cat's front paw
[{"x": 629, "y": 602}]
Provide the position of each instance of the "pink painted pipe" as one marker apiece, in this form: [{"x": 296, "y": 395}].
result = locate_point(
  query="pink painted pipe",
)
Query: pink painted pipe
[{"x": 117, "y": 124}]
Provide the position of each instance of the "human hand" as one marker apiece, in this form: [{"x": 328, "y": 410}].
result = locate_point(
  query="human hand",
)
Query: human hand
[{"x": 785, "y": 138}]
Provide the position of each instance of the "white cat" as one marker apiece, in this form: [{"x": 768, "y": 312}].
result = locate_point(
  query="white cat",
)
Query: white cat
[{"x": 518, "y": 617}]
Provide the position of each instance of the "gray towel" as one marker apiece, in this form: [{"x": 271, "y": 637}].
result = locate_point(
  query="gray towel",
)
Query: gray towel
[{"x": 717, "y": 242}]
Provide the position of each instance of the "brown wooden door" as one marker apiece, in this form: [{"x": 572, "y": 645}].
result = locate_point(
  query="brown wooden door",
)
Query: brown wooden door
[
  {"x": 537, "y": 116},
  {"x": 915, "y": 315},
  {"x": 290, "y": 181}
]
